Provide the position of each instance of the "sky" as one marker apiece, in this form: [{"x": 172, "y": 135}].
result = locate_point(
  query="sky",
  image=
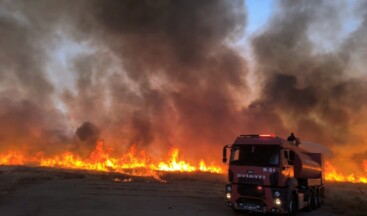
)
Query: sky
[{"x": 259, "y": 12}]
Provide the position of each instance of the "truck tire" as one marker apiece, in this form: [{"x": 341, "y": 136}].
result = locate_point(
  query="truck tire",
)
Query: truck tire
[
  {"x": 313, "y": 198},
  {"x": 322, "y": 194},
  {"x": 292, "y": 206},
  {"x": 309, "y": 200},
  {"x": 318, "y": 198}
]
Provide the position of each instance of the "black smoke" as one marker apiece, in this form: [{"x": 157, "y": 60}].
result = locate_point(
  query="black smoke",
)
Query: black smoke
[
  {"x": 316, "y": 92},
  {"x": 161, "y": 73}
]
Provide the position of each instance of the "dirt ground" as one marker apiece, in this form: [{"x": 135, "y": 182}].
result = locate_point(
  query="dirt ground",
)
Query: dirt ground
[{"x": 26, "y": 191}]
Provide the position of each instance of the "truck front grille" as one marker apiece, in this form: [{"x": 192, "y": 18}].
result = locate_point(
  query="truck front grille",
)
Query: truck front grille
[
  {"x": 251, "y": 181},
  {"x": 250, "y": 190}
]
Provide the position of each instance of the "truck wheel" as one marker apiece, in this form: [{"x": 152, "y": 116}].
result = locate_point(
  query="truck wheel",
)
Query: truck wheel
[
  {"x": 322, "y": 194},
  {"x": 292, "y": 206},
  {"x": 313, "y": 198},
  {"x": 309, "y": 200},
  {"x": 318, "y": 198}
]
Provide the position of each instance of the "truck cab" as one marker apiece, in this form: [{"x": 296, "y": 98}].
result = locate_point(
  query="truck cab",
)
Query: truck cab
[{"x": 269, "y": 174}]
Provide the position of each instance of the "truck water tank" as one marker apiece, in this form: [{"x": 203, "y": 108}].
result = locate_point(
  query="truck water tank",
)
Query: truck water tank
[{"x": 307, "y": 165}]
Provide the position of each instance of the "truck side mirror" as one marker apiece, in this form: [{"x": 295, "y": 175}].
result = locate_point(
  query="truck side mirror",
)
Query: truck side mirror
[{"x": 225, "y": 154}]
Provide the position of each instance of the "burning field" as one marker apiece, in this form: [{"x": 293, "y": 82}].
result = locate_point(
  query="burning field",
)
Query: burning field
[
  {"x": 140, "y": 163},
  {"x": 146, "y": 88},
  {"x": 101, "y": 159}
]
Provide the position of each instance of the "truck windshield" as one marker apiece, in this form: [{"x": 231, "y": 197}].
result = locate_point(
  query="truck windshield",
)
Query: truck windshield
[{"x": 255, "y": 155}]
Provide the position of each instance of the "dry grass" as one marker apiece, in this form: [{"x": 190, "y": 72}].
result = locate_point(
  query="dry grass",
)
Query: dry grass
[
  {"x": 341, "y": 198},
  {"x": 194, "y": 176},
  {"x": 15, "y": 177},
  {"x": 347, "y": 198}
]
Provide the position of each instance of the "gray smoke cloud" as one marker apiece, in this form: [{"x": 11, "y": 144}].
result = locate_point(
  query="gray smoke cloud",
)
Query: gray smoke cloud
[
  {"x": 317, "y": 93},
  {"x": 165, "y": 73},
  {"x": 161, "y": 73}
]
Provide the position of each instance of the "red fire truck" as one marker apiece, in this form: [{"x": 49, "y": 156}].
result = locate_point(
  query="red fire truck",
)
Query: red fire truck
[{"x": 270, "y": 174}]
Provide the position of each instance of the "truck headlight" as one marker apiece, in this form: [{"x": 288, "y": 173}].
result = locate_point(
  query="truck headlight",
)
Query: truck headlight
[
  {"x": 278, "y": 201},
  {"x": 228, "y": 195}
]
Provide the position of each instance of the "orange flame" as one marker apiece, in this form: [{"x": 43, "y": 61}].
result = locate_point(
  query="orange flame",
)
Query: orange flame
[
  {"x": 101, "y": 160},
  {"x": 139, "y": 163},
  {"x": 331, "y": 174}
]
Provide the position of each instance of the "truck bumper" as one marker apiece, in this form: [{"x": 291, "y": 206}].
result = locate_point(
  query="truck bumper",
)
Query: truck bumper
[{"x": 258, "y": 206}]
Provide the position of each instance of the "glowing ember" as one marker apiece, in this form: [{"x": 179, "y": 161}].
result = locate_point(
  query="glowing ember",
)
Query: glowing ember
[
  {"x": 117, "y": 179},
  {"x": 331, "y": 174},
  {"x": 133, "y": 162}
]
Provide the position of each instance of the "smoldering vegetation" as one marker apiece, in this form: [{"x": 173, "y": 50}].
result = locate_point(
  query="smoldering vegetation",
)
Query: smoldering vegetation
[{"x": 164, "y": 73}]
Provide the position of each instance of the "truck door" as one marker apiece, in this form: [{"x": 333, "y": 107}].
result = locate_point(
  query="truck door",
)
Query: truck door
[{"x": 287, "y": 163}]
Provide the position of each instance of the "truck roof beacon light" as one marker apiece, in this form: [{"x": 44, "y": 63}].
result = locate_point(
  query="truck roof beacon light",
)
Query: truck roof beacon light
[{"x": 266, "y": 135}]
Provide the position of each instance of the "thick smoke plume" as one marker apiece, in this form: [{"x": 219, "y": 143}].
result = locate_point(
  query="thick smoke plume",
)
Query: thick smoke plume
[
  {"x": 161, "y": 73},
  {"x": 318, "y": 93},
  {"x": 156, "y": 74}
]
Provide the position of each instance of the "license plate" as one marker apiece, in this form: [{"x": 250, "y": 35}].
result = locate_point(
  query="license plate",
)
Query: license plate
[{"x": 250, "y": 207}]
